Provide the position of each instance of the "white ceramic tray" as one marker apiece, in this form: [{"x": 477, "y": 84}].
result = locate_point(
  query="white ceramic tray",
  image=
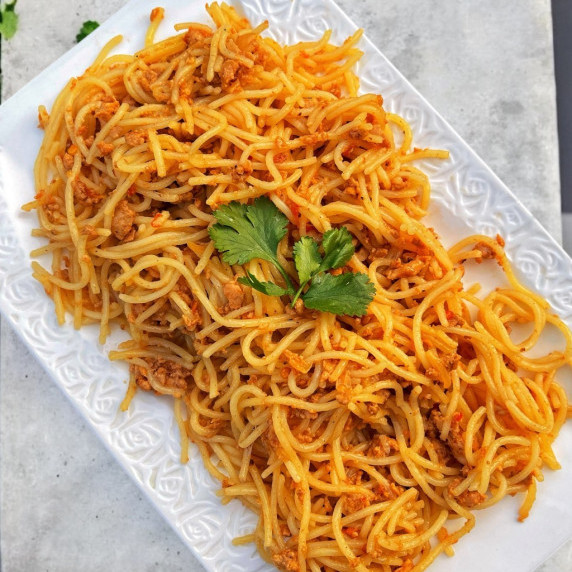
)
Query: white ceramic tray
[{"x": 145, "y": 440}]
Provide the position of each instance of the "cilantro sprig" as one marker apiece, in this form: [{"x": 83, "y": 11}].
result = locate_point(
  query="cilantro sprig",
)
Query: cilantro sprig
[
  {"x": 246, "y": 232},
  {"x": 8, "y": 20}
]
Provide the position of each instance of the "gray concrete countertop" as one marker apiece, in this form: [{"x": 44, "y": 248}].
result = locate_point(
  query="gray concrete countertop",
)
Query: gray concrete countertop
[{"x": 487, "y": 66}]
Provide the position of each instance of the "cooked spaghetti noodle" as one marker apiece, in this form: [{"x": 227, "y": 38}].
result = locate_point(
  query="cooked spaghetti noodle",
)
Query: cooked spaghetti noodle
[{"x": 361, "y": 443}]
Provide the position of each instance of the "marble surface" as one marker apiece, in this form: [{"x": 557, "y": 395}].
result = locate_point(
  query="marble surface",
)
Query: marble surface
[{"x": 486, "y": 66}]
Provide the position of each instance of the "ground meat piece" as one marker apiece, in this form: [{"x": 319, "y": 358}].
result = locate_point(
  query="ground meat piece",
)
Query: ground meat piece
[
  {"x": 376, "y": 253},
  {"x": 170, "y": 374},
  {"x": 353, "y": 422},
  {"x": 229, "y": 75},
  {"x": 196, "y": 36},
  {"x": 468, "y": 499},
  {"x": 146, "y": 78},
  {"x": 315, "y": 397},
  {"x": 135, "y": 138},
  {"x": 258, "y": 51},
  {"x": 84, "y": 194},
  {"x": 105, "y": 148},
  {"x": 270, "y": 439},
  {"x": 241, "y": 171},
  {"x": 455, "y": 437},
  {"x": 372, "y": 408},
  {"x": 162, "y": 91},
  {"x": 234, "y": 294},
  {"x": 431, "y": 430},
  {"x": 305, "y": 436},
  {"x": 471, "y": 499},
  {"x": 485, "y": 249},
  {"x": 298, "y": 306},
  {"x": 140, "y": 377},
  {"x": 296, "y": 361},
  {"x": 432, "y": 373},
  {"x": 89, "y": 230},
  {"x": 43, "y": 117},
  {"x": 52, "y": 208},
  {"x": 357, "y": 133},
  {"x": 313, "y": 139},
  {"x": 158, "y": 318},
  {"x": 372, "y": 332},
  {"x": 122, "y": 222},
  {"x": 184, "y": 291},
  {"x": 354, "y": 502},
  {"x": 67, "y": 161},
  {"x": 212, "y": 425},
  {"x": 343, "y": 393},
  {"x": 409, "y": 269},
  {"x": 106, "y": 108},
  {"x": 382, "y": 446},
  {"x": 443, "y": 452},
  {"x": 192, "y": 319},
  {"x": 486, "y": 252},
  {"x": 335, "y": 90},
  {"x": 454, "y": 320},
  {"x": 295, "y": 413},
  {"x": 351, "y": 531},
  {"x": 286, "y": 560},
  {"x": 450, "y": 361},
  {"x": 115, "y": 132},
  {"x": 130, "y": 235},
  {"x": 354, "y": 476},
  {"x": 391, "y": 492}
]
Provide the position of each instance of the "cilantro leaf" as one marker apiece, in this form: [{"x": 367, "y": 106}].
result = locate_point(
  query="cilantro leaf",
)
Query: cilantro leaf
[
  {"x": 244, "y": 233},
  {"x": 307, "y": 258},
  {"x": 8, "y": 20},
  {"x": 338, "y": 248},
  {"x": 87, "y": 28},
  {"x": 268, "y": 288},
  {"x": 347, "y": 293}
]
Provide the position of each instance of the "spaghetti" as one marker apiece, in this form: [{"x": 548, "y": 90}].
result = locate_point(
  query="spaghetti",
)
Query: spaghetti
[{"x": 362, "y": 443}]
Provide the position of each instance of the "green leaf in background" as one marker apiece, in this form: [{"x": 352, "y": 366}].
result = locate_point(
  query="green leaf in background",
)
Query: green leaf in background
[
  {"x": 87, "y": 28},
  {"x": 8, "y": 20}
]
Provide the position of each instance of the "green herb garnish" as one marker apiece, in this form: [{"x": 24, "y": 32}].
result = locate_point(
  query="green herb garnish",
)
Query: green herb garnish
[
  {"x": 245, "y": 232},
  {"x": 8, "y": 20},
  {"x": 87, "y": 28},
  {"x": 346, "y": 293}
]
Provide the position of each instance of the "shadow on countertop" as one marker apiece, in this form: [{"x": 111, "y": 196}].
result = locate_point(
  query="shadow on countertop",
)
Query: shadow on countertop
[{"x": 562, "y": 25}]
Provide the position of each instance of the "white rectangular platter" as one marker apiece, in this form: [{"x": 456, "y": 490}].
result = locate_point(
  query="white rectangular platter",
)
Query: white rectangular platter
[{"x": 145, "y": 440}]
